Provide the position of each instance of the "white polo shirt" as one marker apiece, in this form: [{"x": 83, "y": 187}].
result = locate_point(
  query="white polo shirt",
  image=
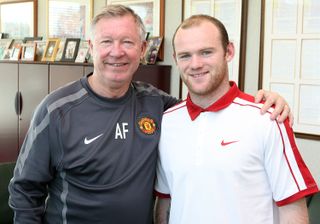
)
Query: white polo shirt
[{"x": 229, "y": 164}]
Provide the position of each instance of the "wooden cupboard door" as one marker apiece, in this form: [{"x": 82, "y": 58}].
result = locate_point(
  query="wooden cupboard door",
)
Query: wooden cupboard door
[
  {"x": 88, "y": 69},
  {"x": 33, "y": 86},
  {"x": 159, "y": 76},
  {"x": 60, "y": 75},
  {"x": 8, "y": 116}
]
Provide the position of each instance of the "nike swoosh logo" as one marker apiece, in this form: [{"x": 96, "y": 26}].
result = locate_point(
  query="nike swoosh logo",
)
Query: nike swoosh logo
[
  {"x": 223, "y": 143},
  {"x": 88, "y": 141}
]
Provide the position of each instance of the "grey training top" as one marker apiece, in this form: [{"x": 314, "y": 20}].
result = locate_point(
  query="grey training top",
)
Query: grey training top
[{"x": 89, "y": 159}]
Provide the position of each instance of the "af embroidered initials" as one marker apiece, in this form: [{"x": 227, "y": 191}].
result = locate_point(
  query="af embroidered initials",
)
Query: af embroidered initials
[{"x": 121, "y": 130}]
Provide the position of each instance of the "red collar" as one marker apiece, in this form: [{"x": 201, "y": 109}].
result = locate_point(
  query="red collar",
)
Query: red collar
[{"x": 220, "y": 104}]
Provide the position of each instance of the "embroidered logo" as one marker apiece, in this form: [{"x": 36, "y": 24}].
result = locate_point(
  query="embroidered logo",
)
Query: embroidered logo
[
  {"x": 88, "y": 141},
  {"x": 147, "y": 125},
  {"x": 223, "y": 143}
]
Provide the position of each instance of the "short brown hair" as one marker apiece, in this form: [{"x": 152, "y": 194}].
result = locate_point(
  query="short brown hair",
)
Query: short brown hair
[
  {"x": 113, "y": 11},
  {"x": 196, "y": 20}
]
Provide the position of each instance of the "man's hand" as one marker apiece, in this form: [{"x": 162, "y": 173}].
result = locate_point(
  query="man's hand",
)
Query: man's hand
[{"x": 281, "y": 107}]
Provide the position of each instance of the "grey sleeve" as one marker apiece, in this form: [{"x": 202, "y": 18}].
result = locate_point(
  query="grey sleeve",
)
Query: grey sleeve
[
  {"x": 168, "y": 100},
  {"x": 28, "y": 187}
]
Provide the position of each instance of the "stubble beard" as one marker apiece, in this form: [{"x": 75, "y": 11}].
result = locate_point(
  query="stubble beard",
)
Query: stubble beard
[{"x": 216, "y": 78}]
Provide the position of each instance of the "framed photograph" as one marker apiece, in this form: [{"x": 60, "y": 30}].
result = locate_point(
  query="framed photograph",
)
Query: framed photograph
[
  {"x": 31, "y": 39},
  {"x": 16, "y": 43},
  {"x": 7, "y": 54},
  {"x": 51, "y": 49},
  {"x": 28, "y": 52},
  {"x": 152, "y": 14},
  {"x": 18, "y": 17},
  {"x": 16, "y": 52},
  {"x": 82, "y": 55},
  {"x": 15, "y": 49},
  {"x": 153, "y": 46},
  {"x": 69, "y": 18},
  {"x": 297, "y": 76},
  {"x": 60, "y": 49},
  {"x": 4, "y": 35},
  {"x": 70, "y": 50},
  {"x": 4, "y": 45},
  {"x": 40, "y": 48}
]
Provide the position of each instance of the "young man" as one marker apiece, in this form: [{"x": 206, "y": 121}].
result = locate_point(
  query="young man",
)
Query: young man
[
  {"x": 91, "y": 150},
  {"x": 220, "y": 161}
]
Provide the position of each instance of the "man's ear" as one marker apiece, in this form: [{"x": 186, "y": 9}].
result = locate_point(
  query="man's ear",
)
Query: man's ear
[
  {"x": 230, "y": 51},
  {"x": 174, "y": 57},
  {"x": 143, "y": 49},
  {"x": 90, "y": 47}
]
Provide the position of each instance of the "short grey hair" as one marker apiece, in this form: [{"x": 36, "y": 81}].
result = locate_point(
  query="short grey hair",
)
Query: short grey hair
[{"x": 113, "y": 11}]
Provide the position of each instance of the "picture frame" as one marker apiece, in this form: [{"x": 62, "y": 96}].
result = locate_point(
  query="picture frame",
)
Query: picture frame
[
  {"x": 31, "y": 39},
  {"x": 152, "y": 14},
  {"x": 83, "y": 52},
  {"x": 4, "y": 46},
  {"x": 19, "y": 26},
  {"x": 15, "y": 49},
  {"x": 51, "y": 49},
  {"x": 298, "y": 49},
  {"x": 60, "y": 49},
  {"x": 7, "y": 54},
  {"x": 82, "y": 55},
  {"x": 16, "y": 43},
  {"x": 69, "y": 18},
  {"x": 40, "y": 48},
  {"x": 28, "y": 52},
  {"x": 16, "y": 52},
  {"x": 153, "y": 46},
  {"x": 70, "y": 50},
  {"x": 4, "y": 35}
]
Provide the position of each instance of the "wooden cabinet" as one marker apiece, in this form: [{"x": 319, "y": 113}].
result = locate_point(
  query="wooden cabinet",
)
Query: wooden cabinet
[
  {"x": 8, "y": 111},
  {"x": 157, "y": 75},
  {"x": 22, "y": 88},
  {"x": 24, "y": 84},
  {"x": 60, "y": 74},
  {"x": 33, "y": 87}
]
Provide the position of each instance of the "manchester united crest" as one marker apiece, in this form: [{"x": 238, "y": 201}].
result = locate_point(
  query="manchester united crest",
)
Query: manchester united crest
[{"x": 147, "y": 125}]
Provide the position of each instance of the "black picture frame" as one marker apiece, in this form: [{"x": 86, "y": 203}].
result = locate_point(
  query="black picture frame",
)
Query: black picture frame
[
  {"x": 70, "y": 50},
  {"x": 30, "y": 39}
]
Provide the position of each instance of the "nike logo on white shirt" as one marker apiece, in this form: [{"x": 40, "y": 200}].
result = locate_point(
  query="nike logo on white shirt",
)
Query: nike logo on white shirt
[{"x": 88, "y": 141}]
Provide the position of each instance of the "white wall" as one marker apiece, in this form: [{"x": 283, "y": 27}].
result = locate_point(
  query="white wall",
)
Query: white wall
[
  {"x": 173, "y": 17},
  {"x": 252, "y": 50}
]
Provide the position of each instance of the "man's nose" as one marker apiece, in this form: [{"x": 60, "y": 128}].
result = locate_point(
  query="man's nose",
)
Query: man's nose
[
  {"x": 116, "y": 50},
  {"x": 196, "y": 62}
]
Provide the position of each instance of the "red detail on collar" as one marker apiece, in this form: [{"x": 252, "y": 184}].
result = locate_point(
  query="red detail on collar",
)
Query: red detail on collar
[{"x": 223, "y": 102}]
